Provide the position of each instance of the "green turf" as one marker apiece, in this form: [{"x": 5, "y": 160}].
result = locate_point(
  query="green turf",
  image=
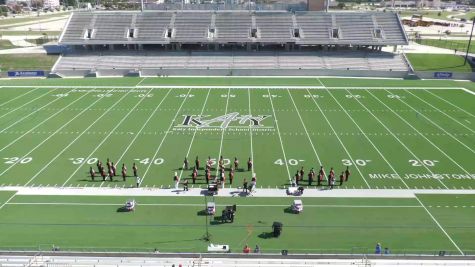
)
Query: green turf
[
  {"x": 459, "y": 45},
  {"x": 6, "y": 44},
  {"x": 31, "y": 19},
  {"x": 338, "y": 229},
  {"x": 27, "y": 62},
  {"x": 438, "y": 62},
  {"x": 29, "y": 33},
  {"x": 71, "y": 131},
  {"x": 50, "y": 136}
]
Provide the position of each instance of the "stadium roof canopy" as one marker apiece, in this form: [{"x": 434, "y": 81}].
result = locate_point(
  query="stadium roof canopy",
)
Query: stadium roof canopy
[{"x": 224, "y": 27}]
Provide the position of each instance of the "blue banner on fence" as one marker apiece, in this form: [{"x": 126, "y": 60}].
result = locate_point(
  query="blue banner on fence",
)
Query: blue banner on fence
[
  {"x": 26, "y": 73},
  {"x": 443, "y": 75}
]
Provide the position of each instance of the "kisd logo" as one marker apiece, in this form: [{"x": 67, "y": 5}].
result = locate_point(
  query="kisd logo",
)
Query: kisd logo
[{"x": 204, "y": 121}]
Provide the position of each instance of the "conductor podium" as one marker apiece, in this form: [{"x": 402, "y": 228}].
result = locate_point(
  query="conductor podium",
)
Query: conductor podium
[{"x": 277, "y": 229}]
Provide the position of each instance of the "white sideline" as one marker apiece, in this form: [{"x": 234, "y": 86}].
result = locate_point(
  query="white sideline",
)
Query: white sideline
[{"x": 229, "y": 192}]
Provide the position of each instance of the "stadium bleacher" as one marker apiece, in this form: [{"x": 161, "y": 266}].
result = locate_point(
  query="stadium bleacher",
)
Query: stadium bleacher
[
  {"x": 194, "y": 27},
  {"x": 235, "y": 60},
  {"x": 228, "y": 40}
]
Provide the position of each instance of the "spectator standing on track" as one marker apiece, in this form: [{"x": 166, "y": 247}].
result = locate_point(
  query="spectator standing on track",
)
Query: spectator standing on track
[
  {"x": 249, "y": 165},
  {"x": 342, "y": 178},
  {"x": 297, "y": 178},
  {"x": 302, "y": 173},
  {"x": 377, "y": 250},
  {"x": 135, "y": 169},
  {"x": 185, "y": 163}
]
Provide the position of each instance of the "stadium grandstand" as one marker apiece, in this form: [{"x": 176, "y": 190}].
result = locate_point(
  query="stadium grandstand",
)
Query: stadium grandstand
[{"x": 155, "y": 43}]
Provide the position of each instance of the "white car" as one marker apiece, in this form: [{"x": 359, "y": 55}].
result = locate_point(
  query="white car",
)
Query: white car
[{"x": 218, "y": 248}]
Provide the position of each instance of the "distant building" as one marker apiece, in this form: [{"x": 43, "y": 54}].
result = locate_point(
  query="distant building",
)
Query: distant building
[
  {"x": 316, "y": 5},
  {"x": 51, "y": 3}
]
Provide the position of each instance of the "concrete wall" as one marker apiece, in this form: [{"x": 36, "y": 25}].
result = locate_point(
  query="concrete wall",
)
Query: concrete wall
[{"x": 241, "y": 72}]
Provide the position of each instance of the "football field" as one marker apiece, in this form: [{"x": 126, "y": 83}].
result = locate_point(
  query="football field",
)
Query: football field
[{"x": 390, "y": 135}]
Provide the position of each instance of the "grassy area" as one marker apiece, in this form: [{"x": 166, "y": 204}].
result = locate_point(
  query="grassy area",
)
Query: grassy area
[
  {"x": 460, "y": 45},
  {"x": 31, "y": 19},
  {"x": 29, "y": 33},
  {"x": 326, "y": 225},
  {"x": 27, "y": 62},
  {"x": 6, "y": 44},
  {"x": 438, "y": 62},
  {"x": 444, "y": 15}
]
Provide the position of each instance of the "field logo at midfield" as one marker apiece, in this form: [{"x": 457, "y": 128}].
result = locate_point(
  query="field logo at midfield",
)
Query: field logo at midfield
[{"x": 224, "y": 121}]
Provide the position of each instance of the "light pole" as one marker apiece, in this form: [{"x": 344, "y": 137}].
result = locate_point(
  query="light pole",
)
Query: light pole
[{"x": 469, "y": 42}]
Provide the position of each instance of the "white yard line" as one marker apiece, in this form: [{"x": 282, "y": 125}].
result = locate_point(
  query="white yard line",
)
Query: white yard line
[
  {"x": 28, "y": 92},
  {"x": 106, "y": 137},
  {"x": 141, "y": 81},
  {"x": 440, "y": 226},
  {"x": 436, "y": 125},
  {"x": 222, "y": 134},
  {"x": 30, "y": 114},
  {"x": 450, "y": 103},
  {"x": 41, "y": 123},
  {"x": 28, "y": 102},
  {"x": 280, "y": 137},
  {"x": 141, "y": 129},
  {"x": 305, "y": 128},
  {"x": 395, "y": 137},
  {"x": 447, "y": 115},
  {"x": 201, "y": 205},
  {"x": 468, "y": 91},
  {"x": 394, "y": 170},
  {"x": 420, "y": 134},
  {"x": 338, "y": 137},
  {"x": 165, "y": 136},
  {"x": 367, "y": 138},
  {"x": 72, "y": 142},
  {"x": 250, "y": 128},
  {"x": 8, "y": 200},
  {"x": 194, "y": 132}
]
